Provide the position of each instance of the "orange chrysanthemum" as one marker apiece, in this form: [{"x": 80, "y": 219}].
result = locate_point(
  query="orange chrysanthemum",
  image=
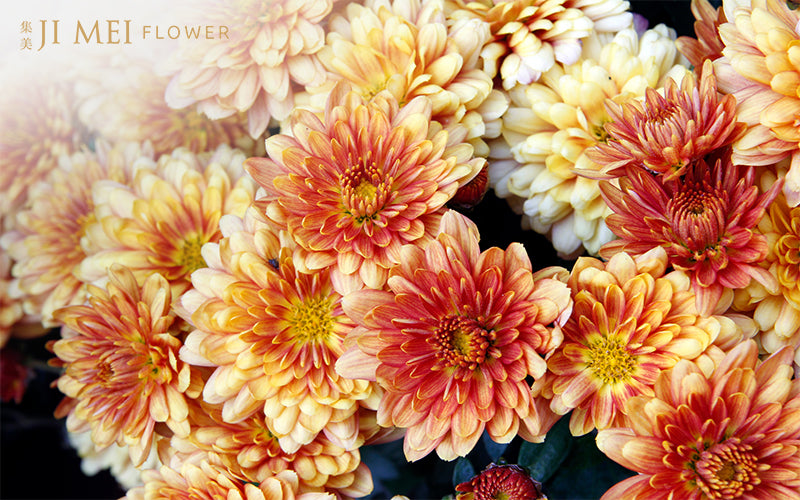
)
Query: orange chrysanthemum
[
  {"x": 707, "y": 45},
  {"x": 371, "y": 176},
  {"x": 667, "y": 133},
  {"x": 272, "y": 335},
  {"x": 453, "y": 340},
  {"x": 630, "y": 321},
  {"x": 528, "y": 36},
  {"x": 267, "y": 53},
  {"x": 122, "y": 366},
  {"x": 46, "y": 246},
  {"x": 160, "y": 222},
  {"x": 704, "y": 221},
  {"x": 200, "y": 476},
  {"x": 507, "y": 482},
  {"x": 733, "y": 433}
]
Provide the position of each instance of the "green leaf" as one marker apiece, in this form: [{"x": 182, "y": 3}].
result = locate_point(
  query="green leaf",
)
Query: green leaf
[
  {"x": 543, "y": 459},
  {"x": 463, "y": 472},
  {"x": 494, "y": 450}
]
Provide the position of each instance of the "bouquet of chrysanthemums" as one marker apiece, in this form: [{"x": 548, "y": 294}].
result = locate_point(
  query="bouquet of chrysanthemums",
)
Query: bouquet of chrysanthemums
[{"x": 256, "y": 259}]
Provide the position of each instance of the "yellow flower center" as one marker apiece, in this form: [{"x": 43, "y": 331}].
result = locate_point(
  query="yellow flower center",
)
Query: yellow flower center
[
  {"x": 312, "y": 321},
  {"x": 727, "y": 470},
  {"x": 610, "y": 360},
  {"x": 463, "y": 342},
  {"x": 189, "y": 256},
  {"x": 365, "y": 189}
]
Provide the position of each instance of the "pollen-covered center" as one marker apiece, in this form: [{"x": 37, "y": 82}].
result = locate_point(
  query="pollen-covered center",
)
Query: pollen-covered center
[
  {"x": 365, "y": 188},
  {"x": 727, "y": 470},
  {"x": 189, "y": 256},
  {"x": 610, "y": 361},
  {"x": 312, "y": 320},
  {"x": 699, "y": 217},
  {"x": 462, "y": 341}
]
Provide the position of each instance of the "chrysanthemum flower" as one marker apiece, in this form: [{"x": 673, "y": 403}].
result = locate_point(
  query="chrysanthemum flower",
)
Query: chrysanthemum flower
[
  {"x": 369, "y": 177},
  {"x": 528, "y": 36},
  {"x": 268, "y": 52},
  {"x": 509, "y": 482},
  {"x": 201, "y": 477},
  {"x": 272, "y": 335},
  {"x": 46, "y": 246},
  {"x": 453, "y": 340},
  {"x": 761, "y": 70},
  {"x": 38, "y": 123},
  {"x": 630, "y": 321},
  {"x": 707, "y": 45},
  {"x": 249, "y": 450},
  {"x": 129, "y": 106},
  {"x": 704, "y": 220},
  {"x": 734, "y": 433},
  {"x": 552, "y": 123},
  {"x": 159, "y": 223},
  {"x": 122, "y": 366},
  {"x": 667, "y": 132},
  {"x": 404, "y": 47}
]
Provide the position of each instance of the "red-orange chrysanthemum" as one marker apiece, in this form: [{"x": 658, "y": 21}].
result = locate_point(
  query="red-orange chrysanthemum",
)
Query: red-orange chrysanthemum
[
  {"x": 733, "y": 433},
  {"x": 122, "y": 366},
  {"x": 630, "y": 321},
  {"x": 272, "y": 335},
  {"x": 667, "y": 133},
  {"x": 355, "y": 186},
  {"x": 704, "y": 220},
  {"x": 453, "y": 340},
  {"x": 707, "y": 45},
  {"x": 507, "y": 482}
]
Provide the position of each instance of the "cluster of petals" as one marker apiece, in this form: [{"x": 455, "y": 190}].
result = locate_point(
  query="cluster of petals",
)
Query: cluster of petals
[
  {"x": 704, "y": 220},
  {"x": 733, "y": 432},
  {"x": 708, "y": 45},
  {"x": 406, "y": 48},
  {"x": 510, "y": 482},
  {"x": 631, "y": 319},
  {"x": 46, "y": 244},
  {"x": 272, "y": 334},
  {"x": 160, "y": 220},
  {"x": 267, "y": 54},
  {"x": 671, "y": 129},
  {"x": 761, "y": 68},
  {"x": 122, "y": 373},
  {"x": 353, "y": 187},
  {"x": 453, "y": 339},
  {"x": 552, "y": 123}
]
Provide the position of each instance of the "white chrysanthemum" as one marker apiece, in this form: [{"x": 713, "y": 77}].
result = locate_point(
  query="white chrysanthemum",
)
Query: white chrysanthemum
[
  {"x": 115, "y": 458},
  {"x": 550, "y": 125}
]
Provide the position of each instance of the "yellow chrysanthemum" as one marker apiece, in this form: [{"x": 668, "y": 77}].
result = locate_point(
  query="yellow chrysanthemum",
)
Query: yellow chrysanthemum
[
  {"x": 553, "y": 122},
  {"x": 272, "y": 335},
  {"x": 160, "y": 222}
]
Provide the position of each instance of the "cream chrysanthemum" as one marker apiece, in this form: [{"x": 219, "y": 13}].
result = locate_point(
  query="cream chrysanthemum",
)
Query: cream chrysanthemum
[
  {"x": 272, "y": 335},
  {"x": 405, "y": 47},
  {"x": 160, "y": 222},
  {"x": 46, "y": 246},
  {"x": 761, "y": 68},
  {"x": 551, "y": 124},
  {"x": 268, "y": 52}
]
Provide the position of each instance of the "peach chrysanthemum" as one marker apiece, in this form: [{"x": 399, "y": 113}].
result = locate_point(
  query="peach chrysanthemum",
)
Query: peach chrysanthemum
[
  {"x": 733, "y": 433},
  {"x": 453, "y": 340},
  {"x": 761, "y": 68},
  {"x": 38, "y": 123},
  {"x": 670, "y": 130},
  {"x": 250, "y": 451},
  {"x": 552, "y": 123},
  {"x": 121, "y": 364},
  {"x": 630, "y": 321},
  {"x": 272, "y": 335},
  {"x": 268, "y": 52},
  {"x": 162, "y": 219},
  {"x": 369, "y": 177},
  {"x": 200, "y": 476},
  {"x": 704, "y": 221},
  {"x": 46, "y": 246},
  {"x": 707, "y": 45},
  {"x": 528, "y": 36},
  {"x": 130, "y": 107},
  {"x": 404, "y": 47}
]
